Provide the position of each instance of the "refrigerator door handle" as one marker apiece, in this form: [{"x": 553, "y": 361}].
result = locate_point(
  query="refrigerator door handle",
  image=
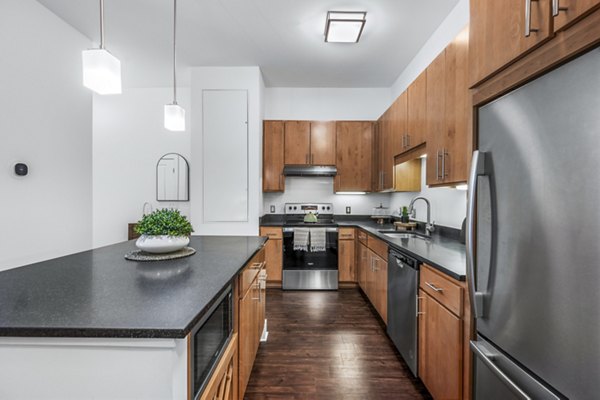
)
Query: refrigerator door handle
[
  {"x": 477, "y": 169},
  {"x": 488, "y": 360}
]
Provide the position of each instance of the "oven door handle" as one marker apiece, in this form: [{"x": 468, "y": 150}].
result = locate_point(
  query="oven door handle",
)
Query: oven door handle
[{"x": 327, "y": 229}]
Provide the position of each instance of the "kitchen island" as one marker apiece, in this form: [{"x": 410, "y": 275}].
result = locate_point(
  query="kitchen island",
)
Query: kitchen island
[{"x": 118, "y": 327}]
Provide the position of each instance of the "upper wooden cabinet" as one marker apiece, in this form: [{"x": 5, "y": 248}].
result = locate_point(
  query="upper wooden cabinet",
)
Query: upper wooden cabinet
[
  {"x": 499, "y": 32},
  {"x": 309, "y": 143},
  {"x": 399, "y": 124},
  {"x": 449, "y": 114},
  {"x": 297, "y": 142},
  {"x": 416, "y": 112},
  {"x": 273, "y": 179},
  {"x": 566, "y": 12},
  {"x": 322, "y": 143},
  {"x": 353, "y": 156}
]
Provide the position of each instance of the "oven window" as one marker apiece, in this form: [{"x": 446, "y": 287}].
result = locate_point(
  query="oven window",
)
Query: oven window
[{"x": 209, "y": 341}]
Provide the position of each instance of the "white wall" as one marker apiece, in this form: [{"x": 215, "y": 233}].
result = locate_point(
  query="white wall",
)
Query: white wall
[
  {"x": 326, "y": 103},
  {"x": 129, "y": 139},
  {"x": 443, "y": 35},
  {"x": 46, "y": 123},
  {"x": 448, "y": 205},
  {"x": 244, "y": 78},
  {"x": 320, "y": 190}
]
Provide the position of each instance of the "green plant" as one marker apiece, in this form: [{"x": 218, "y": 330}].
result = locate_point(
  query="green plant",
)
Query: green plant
[
  {"x": 404, "y": 211},
  {"x": 164, "y": 222}
]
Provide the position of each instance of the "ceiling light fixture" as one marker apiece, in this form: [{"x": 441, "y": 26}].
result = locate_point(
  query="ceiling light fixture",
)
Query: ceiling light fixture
[
  {"x": 174, "y": 113},
  {"x": 344, "y": 26},
  {"x": 101, "y": 70}
]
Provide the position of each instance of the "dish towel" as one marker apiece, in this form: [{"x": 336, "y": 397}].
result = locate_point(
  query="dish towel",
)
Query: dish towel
[
  {"x": 301, "y": 239},
  {"x": 318, "y": 239}
]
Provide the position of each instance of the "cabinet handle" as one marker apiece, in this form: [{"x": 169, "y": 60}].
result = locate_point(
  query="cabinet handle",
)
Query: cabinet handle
[
  {"x": 407, "y": 140},
  {"x": 437, "y": 289},
  {"x": 556, "y": 8},
  {"x": 437, "y": 166},
  {"x": 403, "y": 141},
  {"x": 528, "y": 28},
  {"x": 444, "y": 154},
  {"x": 419, "y": 312},
  {"x": 312, "y": 158}
]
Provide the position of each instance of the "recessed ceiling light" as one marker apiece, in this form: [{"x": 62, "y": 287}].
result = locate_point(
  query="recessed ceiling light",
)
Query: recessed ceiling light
[{"x": 344, "y": 26}]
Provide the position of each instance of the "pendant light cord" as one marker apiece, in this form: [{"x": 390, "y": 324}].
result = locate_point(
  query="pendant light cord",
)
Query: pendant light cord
[
  {"x": 101, "y": 24},
  {"x": 174, "y": 59}
]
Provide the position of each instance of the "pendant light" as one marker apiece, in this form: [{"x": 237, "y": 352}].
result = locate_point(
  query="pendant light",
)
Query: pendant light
[
  {"x": 101, "y": 70},
  {"x": 174, "y": 113}
]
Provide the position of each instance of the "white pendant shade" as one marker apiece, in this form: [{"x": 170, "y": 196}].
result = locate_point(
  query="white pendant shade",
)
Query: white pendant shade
[
  {"x": 174, "y": 117},
  {"x": 101, "y": 71}
]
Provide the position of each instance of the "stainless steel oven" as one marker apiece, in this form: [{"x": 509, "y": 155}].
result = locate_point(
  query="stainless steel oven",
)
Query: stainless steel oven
[{"x": 208, "y": 340}]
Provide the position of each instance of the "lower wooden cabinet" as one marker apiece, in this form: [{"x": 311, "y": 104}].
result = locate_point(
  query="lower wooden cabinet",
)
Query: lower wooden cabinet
[
  {"x": 372, "y": 273},
  {"x": 444, "y": 334},
  {"x": 273, "y": 254},
  {"x": 223, "y": 383},
  {"x": 251, "y": 314},
  {"x": 346, "y": 256}
]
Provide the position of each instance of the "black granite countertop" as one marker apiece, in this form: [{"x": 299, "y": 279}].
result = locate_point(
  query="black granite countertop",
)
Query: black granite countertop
[
  {"x": 98, "y": 293},
  {"x": 446, "y": 254}
]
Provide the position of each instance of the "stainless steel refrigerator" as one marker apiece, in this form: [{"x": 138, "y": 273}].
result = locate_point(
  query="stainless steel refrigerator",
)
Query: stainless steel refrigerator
[{"x": 534, "y": 223}]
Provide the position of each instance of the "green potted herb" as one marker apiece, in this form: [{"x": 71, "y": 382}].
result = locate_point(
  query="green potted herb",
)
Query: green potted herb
[
  {"x": 404, "y": 217},
  {"x": 163, "y": 231}
]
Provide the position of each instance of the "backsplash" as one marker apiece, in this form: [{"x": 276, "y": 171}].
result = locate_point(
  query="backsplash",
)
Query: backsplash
[{"x": 320, "y": 190}]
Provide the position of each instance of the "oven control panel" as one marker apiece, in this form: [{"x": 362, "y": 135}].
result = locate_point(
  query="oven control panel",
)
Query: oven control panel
[{"x": 305, "y": 208}]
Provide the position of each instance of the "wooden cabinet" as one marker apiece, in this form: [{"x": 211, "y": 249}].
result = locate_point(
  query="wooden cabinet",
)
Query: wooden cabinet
[
  {"x": 273, "y": 179},
  {"x": 372, "y": 272},
  {"x": 399, "y": 124},
  {"x": 297, "y": 142},
  {"x": 251, "y": 312},
  {"x": 309, "y": 143},
  {"x": 346, "y": 255},
  {"x": 273, "y": 254},
  {"x": 499, "y": 33},
  {"x": 416, "y": 112},
  {"x": 566, "y": 12},
  {"x": 223, "y": 382},
  {"x": 322, "y": 143},
  {"x": 449, "y": 114},
  {"x": 444, "y": 334},
  {"x": 353, "y": 156}
]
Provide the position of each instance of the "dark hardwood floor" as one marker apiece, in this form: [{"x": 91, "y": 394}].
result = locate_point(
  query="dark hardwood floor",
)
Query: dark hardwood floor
[{"x": 328, "y": 345}]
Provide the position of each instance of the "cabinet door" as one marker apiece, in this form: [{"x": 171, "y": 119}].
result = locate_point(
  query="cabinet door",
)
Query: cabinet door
[
  {"x": 273, "y": 179},
  {"x": 458, "y": 112},
  {"x": 376, "y": 183},
  {"x": 363, "y": 265},
  {"x": 274, "y": 259},
  {"x": 399, "y": 123},
  {"x": 436, "y": 117},
  {"x": 353, "y": 155},
  {"x": 246, "y": 337},
  {"x": 440, "y": 349},
  {"x": 297, "y": 142},
  {"x": 386, "y": 164},
  {"x": 380, "y": 287},
  {"x": 569, "y": 11},
  {"x": 346, "y": 261},
  {"x": 498, "y": 33},
  {"x": 322, "y": 143},
  {"x": 417, "y": 112}
]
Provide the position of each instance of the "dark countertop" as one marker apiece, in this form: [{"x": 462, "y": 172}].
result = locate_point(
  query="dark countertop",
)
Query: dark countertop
[
  {"x": 98, "y": 293},
  {"x": 443, "y": 253}
]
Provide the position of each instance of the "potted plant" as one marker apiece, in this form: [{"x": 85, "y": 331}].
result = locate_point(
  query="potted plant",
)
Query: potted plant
[
  {"x": 163, "y": 231},
  {"x": 404, "y": 218}
]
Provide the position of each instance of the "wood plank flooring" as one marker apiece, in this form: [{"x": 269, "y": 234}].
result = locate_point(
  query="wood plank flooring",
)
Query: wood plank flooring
[{"x": 328, "y": 345}]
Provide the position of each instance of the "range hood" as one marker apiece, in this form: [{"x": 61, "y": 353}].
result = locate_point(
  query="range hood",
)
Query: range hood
[{"x": 309, "y": 170}]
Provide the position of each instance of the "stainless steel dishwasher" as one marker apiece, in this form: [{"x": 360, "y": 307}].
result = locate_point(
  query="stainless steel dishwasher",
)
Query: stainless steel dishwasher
[{"x": 403, "y": 283}]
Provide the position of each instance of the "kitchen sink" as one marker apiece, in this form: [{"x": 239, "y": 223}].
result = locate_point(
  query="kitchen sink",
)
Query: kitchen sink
[{"x": 404, "y": 235}]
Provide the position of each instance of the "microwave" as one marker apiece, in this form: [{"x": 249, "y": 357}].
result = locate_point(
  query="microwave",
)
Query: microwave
[{"x": 208, "y": 339}]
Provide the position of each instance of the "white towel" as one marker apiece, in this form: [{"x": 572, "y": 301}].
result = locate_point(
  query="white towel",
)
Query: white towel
[
  {"x": 318, "y": 239},
  {"x": 301, "y": 239}
]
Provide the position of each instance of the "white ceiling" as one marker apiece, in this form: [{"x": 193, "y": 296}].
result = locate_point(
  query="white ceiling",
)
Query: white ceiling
[{"x": 283, "y": 37}]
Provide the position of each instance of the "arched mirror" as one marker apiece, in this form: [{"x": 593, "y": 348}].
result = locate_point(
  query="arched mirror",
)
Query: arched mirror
[{"x": 172, "y": 178}]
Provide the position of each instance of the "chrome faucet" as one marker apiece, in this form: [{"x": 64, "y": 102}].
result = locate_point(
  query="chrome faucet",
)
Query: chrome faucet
[{"x": 429, "y": 226}]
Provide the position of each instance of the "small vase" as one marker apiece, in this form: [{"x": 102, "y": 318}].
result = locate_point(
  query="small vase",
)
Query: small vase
[{"x": 159, "y": 244}]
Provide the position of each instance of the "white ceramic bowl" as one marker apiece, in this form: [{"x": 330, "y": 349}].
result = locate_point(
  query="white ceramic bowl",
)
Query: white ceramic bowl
[{"x": 161, "y": 243}]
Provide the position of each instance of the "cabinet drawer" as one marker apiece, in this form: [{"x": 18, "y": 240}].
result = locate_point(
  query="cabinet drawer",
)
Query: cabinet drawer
[
  {"x": 442, "y": 289},
  {"x": 271, "y": 232},
  {"x": 345, "y": 233},
  {"x": 250, "y": 272},
  {"x": 362, "y": 237},
  {"x": 378, "y": 246}
]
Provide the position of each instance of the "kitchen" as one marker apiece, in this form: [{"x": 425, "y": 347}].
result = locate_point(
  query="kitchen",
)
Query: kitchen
[{"x": 282, "y": 150}]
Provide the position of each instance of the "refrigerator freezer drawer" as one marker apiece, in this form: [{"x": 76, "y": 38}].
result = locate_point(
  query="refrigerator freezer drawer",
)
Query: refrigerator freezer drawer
[{"x": 499, "y": 378}]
